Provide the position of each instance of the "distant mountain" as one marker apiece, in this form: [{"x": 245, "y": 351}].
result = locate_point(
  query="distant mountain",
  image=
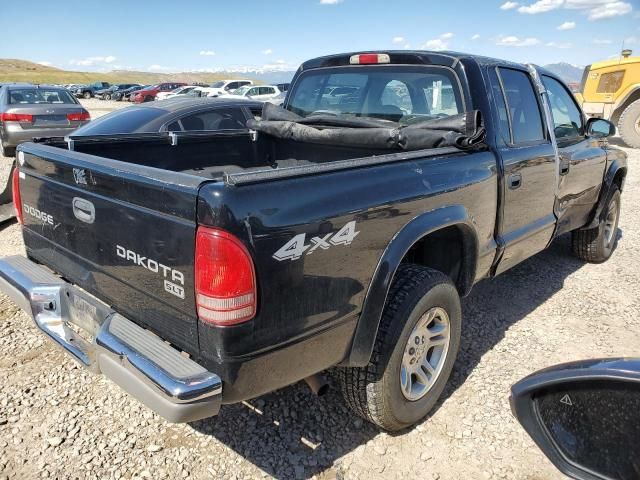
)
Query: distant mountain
[
  {"x": 13, "y": 70},
  {"x": 566, "y": 71}
]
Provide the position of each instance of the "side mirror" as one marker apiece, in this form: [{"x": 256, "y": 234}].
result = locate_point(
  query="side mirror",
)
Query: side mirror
[
  {"x": 584, "y": 416},
  {"x": 600, "y": 128}
]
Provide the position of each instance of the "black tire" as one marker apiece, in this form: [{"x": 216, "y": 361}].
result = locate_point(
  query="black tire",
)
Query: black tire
[
  {"x": 374, "y": 391},
  {"x": 148, "y": 99},
  {"x": 596, "y": 245},
  {"x": 107, "y": 96},
  {"x": 86, "y": 95},
  {"x": 629, "y": 125}
]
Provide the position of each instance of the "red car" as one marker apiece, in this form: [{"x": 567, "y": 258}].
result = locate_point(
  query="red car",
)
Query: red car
[{"x": 149, "y": 94}]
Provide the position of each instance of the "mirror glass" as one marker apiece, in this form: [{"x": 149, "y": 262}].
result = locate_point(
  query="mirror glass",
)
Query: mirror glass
[
  {"x": 596, "y": 425},
  {"x": 599, "y": 128}
]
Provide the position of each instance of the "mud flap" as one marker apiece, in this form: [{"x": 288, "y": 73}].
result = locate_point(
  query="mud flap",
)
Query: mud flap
[{"x": 7, "y": 212}]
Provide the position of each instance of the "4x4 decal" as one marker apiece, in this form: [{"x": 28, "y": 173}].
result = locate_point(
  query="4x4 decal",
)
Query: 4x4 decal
[{"x": 296, "y": 247}]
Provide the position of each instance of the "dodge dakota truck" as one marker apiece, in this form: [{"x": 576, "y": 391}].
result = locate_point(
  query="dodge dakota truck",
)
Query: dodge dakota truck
[{"x": 201, "y": 268}]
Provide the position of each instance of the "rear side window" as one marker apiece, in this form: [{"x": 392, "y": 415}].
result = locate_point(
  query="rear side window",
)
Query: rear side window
[
  {"x": 567, "y": 119},
  {"x": 220, "y": 119},
  {"x": 398, "y": 93},
  {"x": 522, "y": 104},
  {"x": 39, "y": 96}
]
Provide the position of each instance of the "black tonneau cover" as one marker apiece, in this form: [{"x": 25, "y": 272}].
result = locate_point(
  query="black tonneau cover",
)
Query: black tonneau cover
[{"x": 464, "y": 131}]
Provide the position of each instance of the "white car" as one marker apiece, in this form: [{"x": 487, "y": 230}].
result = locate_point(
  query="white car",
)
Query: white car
[
  {"x": 178, "y": 91},
  {"x": 261, "y": 93},
  {"x": 225, "y": 87}
]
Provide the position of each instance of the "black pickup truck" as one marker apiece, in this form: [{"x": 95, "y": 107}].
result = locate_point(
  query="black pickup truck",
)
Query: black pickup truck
[{"x": 196, "y": 269}]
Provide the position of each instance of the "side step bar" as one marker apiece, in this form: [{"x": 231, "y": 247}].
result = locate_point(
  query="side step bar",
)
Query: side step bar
[{"x": 143, "y": 365}]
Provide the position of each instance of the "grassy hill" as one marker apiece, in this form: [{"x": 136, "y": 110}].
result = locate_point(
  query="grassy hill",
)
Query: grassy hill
[{"x": 12, "y": 70}]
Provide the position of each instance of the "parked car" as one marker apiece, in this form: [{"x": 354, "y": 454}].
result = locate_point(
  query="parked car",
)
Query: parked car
[
  {"x": 262, "y": 92},
  {"x": 225, "y": 87},
  {"x": 324, "y": 235},
  {"x": 125, "y": 94},
  {"x": 176, "y": 114},
  {"x": 108, "y": 93},
  {"x": 149, "y": 94},
  {"x": 28, "y": 111},
  {"x": 88, "y": 91},
  {"x": 177, "y": 92},
  {"x": 278, "y": 99}
]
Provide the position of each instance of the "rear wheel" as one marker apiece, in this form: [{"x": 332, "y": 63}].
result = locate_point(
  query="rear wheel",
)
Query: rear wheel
[
  {"x": 107, "y": 96},
  {"x": 414, "y": 352},
  {"x": 596, "y": 244},
  {"x": 629, "y": 125},
  {"x": 86, "y": 95}
]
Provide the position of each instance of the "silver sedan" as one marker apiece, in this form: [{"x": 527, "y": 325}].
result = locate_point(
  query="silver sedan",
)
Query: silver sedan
[{"x": 29, "y": 111}]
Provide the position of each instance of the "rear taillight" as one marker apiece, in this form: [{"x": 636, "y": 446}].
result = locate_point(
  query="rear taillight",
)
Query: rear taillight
[
  {"x": 79, "y": 116},
  {"x": 225, "y": 279},
  {"x": 15, "y": 190},
  {"x": 369, "y": 59},
  {"x": 16, "y": 117}
]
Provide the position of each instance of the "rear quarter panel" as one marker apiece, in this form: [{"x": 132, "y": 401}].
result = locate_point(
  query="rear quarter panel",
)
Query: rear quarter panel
[{"x": 326, "y": 287}]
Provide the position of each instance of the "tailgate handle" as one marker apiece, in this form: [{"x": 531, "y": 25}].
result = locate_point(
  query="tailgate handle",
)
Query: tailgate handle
[{"x": 83, "y": 210}]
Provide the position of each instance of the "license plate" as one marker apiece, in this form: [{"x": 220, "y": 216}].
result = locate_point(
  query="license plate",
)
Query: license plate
[{"x": 83, "y": 314}]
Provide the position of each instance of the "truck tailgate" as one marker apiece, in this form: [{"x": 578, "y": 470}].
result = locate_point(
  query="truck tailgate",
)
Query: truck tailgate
[{"x": 123, "y": 232}]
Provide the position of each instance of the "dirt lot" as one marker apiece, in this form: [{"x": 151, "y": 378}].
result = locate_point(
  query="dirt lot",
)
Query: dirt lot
[{"x": 58, "y": 421}]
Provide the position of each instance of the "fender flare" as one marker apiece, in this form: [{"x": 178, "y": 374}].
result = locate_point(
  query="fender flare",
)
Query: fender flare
[
  {"x": 617, "y": 165},
  {"x": 375, "y": 299}
]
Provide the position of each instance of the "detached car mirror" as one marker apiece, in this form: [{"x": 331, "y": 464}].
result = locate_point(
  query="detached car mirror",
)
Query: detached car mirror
[
  {"x": 585, "y": 417},
  {"x": 600, "y": 128}
]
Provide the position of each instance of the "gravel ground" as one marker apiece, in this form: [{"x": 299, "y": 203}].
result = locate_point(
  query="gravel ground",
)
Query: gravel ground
[{"x": 59, "y": 421}]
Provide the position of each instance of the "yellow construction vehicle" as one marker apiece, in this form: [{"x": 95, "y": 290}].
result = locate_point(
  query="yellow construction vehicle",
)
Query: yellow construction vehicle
[{"x": 611, "y": 90}]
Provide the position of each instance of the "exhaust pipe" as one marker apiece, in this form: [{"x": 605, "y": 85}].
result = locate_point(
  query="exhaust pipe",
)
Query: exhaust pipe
[{"x": 318, "y": 384}]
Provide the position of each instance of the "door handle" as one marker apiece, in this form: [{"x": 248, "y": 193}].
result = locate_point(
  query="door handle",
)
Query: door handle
[
  {"x": 564, "y": 167},
  {"x": 515, "y": 180}
]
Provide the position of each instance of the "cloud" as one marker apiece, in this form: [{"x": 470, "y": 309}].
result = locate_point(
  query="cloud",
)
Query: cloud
[
  {"x": 558, "y": 45},
  {"x": 268, "y": 51},
  {"x": 475, "y": 37},
  {"x": 45, "y": 63},
  {"x": 397, "y": 40},
  {"x": 631, "y": 41},
  {"x": 207, "y": 53},
  {"x": 595, "y": 9},
  {"x": 436, "y": 44},
  {"x": 90, "y": 61},
  {"x": 601, "y": 41},
  {"x": 541, "y": 6},
  {"x": 513, "y": 41},
  {"x": 330, "y": 2},
  {"x": 440, "y": 43},
  {"x": 509, "y": 5},
  {"x": 567, "y": 26},
  {"x": 610, "y": 9}
]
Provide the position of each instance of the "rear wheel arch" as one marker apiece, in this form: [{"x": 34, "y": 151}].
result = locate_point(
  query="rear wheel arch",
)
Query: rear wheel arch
[{"x": 418, "y": 242}]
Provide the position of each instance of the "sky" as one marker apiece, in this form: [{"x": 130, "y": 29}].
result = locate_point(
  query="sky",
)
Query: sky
[{"x": 194, "y": 35}]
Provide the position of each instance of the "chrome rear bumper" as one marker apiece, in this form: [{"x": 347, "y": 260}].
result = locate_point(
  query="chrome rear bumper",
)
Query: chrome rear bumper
[{"x": 172, "y": 385}]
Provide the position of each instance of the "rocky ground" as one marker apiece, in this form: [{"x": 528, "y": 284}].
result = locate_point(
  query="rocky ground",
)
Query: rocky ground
[{"x": 59, "y": 421}]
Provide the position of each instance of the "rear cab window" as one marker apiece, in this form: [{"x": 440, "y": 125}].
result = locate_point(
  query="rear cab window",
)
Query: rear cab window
[{"x": 404, "y": 94}]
